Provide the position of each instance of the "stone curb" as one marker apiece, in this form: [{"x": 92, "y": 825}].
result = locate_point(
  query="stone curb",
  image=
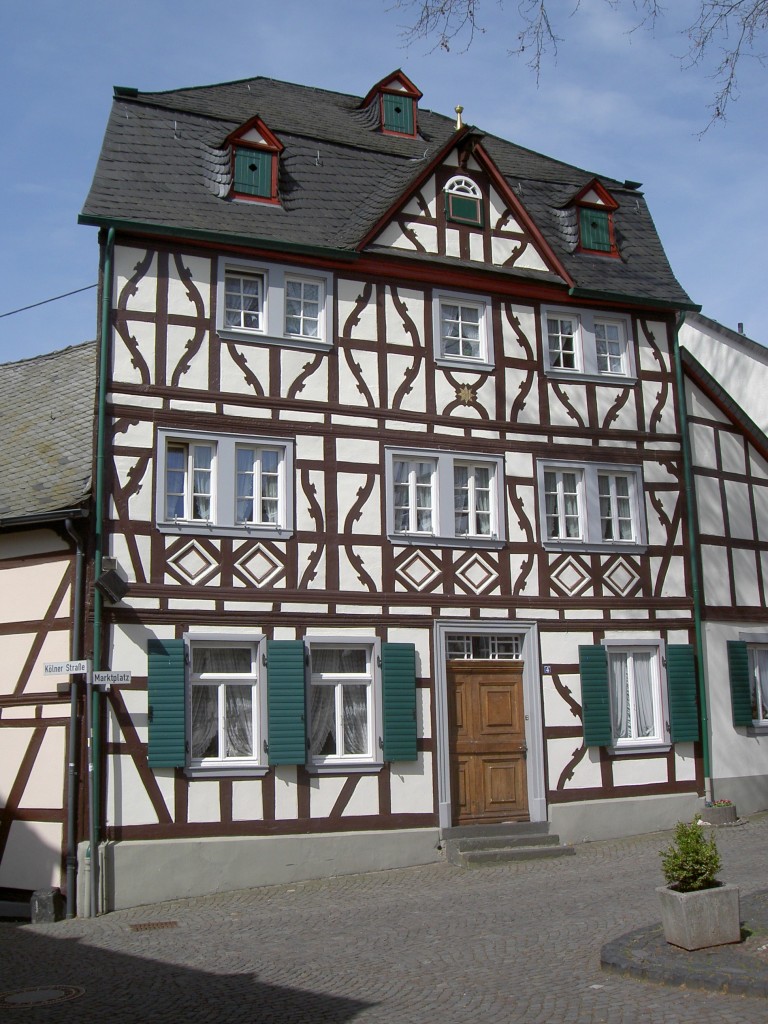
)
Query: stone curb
[{"x": 644, "y": 953}]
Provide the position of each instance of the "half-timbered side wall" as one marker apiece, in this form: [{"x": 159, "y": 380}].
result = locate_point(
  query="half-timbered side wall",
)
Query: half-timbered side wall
[
  {"x": 313, "y": 464},
  {"x": 36, "y": 583},
  {"x": 731, "y": 480}
]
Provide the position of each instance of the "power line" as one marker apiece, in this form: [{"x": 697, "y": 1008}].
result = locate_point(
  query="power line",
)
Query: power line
[{"x": 54, "y": 299}]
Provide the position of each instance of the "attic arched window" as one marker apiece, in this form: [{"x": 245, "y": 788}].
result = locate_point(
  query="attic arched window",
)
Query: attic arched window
[{"x": 463, "y": 201}]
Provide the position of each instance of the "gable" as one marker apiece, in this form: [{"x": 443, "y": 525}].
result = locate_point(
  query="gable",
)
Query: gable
[{"x": 465, "y": 210}]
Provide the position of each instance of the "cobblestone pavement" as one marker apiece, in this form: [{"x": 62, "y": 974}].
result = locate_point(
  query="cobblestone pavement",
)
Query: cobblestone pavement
[{"x": 514, "y": 943}]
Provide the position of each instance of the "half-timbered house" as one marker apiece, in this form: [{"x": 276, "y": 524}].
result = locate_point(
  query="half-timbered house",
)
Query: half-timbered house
[
  {"x": 46, "y": 419},
  {"x": 393, "y": 474}
]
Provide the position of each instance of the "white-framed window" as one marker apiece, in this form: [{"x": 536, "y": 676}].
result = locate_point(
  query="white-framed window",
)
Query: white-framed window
[
  {"x": 587, "y": 343},
  {"x": 589, "y": 504},
  {"x": 758, "y": 682},
  {"x": 463, "y": 201},
  {"x": 274, "y": 304},
  {"x": 461, "y": 326},
  {"x": 483, "y": 646},
  {"x": 444, "y": 497},
  {"x": 343, "y": 703},
  {"x": 225, "y": 703},
  {"x": 637, "y": 688},
  {"x": 224, "y": 484}
]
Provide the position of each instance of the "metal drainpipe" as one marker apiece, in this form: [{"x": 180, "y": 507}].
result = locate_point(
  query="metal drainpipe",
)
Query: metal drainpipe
[
  {"x": 106, "y": 310},
  {"x": 690, "y": 498},
  {"x": 76, "y": 648}
]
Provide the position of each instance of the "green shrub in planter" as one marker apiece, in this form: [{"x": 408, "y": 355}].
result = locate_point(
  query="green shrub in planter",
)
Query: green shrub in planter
[{"x": 692, "y": 861}]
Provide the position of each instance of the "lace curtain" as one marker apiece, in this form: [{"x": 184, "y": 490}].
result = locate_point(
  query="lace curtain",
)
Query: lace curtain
[
  {"x": 237, "y": 698},
  {"x": 622, "y": 703}
]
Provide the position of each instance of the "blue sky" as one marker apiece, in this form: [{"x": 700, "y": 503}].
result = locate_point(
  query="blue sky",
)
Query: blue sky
[{"x": 614, "y": 103}]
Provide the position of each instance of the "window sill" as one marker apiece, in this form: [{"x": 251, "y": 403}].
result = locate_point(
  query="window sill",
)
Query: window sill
[
  {"x": 757, "y": 730},
  {"x": 226, "y": 771},
  {"x": 429, "y": 540},
  {"x": 610, "y": 379},
  {"x": 469, "y": 365},
  {"x": 608, "y": 547},
  {"x": 289, "y": 341},
  {"x": 633, "y": 749},
  {"x": 191, "y": 529},
  {"x": 339, "y": 768}
]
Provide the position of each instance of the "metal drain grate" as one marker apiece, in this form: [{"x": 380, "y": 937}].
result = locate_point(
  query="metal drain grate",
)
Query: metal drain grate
[{"x": 152, "y": 926}]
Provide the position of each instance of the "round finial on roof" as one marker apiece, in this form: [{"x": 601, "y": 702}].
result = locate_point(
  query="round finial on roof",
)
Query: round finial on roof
[{"x": 459, "y": 111}]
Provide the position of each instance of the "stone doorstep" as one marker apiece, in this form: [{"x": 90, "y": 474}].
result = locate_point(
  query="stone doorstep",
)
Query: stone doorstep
[{"x": 476, "y": 845}]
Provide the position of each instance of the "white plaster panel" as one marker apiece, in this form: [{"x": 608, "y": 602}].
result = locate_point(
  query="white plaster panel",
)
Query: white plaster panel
[
  {"x": 411, "y": 785},
  {"x": 179, "y": 300},
  {"x": 317, "y": 580},
  {"x": 310, "y": 448},
  {"x": 129, "y": 646},
  {"x": 628, "y": 771},
  {"x": 732, "y": 452},
  {"x": 55, "y": 648},
  {"x": 424, "y": 708},
  {"x": 365, "y": 798},
  {"x": 413, "y": 399},
  {"x": 247, "y": 800},
  {"x": 294, "y": 363},
  {"x": 674, "y": 577},
  {"x": 452, "y": 242},
  {"x": 426, "y": 234},
  {"x": 136, "y": 704},
  {"x": 758, "y": 465},
  {"x": 663, "y": 417},
  {"x": 324, "y": 791},
  {"x": 625, "y": 418},
  {"x": 498, "y": 209},
  {"x": 530, "y": 259},
  {"x": 709, "y": 506},
  {"x": 576, "y": 396},
  {"x": 316, "y": 487},
  {"x": 286, "y": 792},
  {"x": 557, "y": 710},
  {"x": 194, "y": 368},
  {"x": 745, "y": 577},
  {"x": 412, "y": 208},
  {"x": 14, "y": 651},
  {"x": 685, "y": 762},
  {"x": 518, "y": 565},
  {"x": 356, "y": 420},
  {"x": 127, "y": 800},
  {"x": 204, "y": 803},
  {"x": 35, "y": 542},
  {"x": 135, "y": 434},
  {"x": 658, "y": 472},
  {"x": 412, "y": 302},
  {"x": 701, "y": 407},
  {"x": 739, "y": 511},
  {"x": 366, "y": 365},
  {"x": 562, "y": 647},
  {"x": 716, "y": 580},
  {"x": 451, "y": 159},
  {"x": 429, "y": 194},
  {"x": 586, "y": 774},
  {"x": 32, "y": 855},
  {"x": 362, "y": 326},
  {"x": 476, "y": 247},
  {"x": 518, "y": 380},
  {"x": 27, "y": 590},
  {"x": 658, "y": 530},
  {"x": 254, "y": 358},
  {"x": 140, "y": 502},
  {"x": 367, "y": 517},
  {"x": 118, "y": 548},
  {"x": 703, "y": 451},
  {"x": 253, "y": 412},
  {"x": 124, "y": 369},
  {"x": 372, "y": 565},
  {"x": 656, "y": 351},
  {"x": 45, "y": 786},
  {"x": 12, "y": 751},
  {"x": 394, "y": 237},
  {"x": 126, "y": 262}
]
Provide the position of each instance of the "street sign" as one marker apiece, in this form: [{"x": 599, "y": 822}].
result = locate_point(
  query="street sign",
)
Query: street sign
[
  {"x": 65, "y": 668},
  {"x": 111, "y": 678}
]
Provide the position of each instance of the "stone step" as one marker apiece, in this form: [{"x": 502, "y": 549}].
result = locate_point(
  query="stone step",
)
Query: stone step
[
  {"x": 473, "y": 845},
  {"x": 504, "y": 828},
  {"x": 504, "y": 842},
  {"x": 508, "y": 855}
]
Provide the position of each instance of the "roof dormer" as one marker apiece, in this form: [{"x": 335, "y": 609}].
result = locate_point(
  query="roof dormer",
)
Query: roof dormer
[
  {"x": 398, "y": 100},
  {"x": 596, "y": 206},
  {"x": 255, "y": 153}
]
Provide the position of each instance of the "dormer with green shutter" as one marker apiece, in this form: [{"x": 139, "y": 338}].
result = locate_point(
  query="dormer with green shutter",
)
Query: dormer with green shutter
[
  {"x": 595, "y": 207},
  {"x": 255, "y": 154},
  {"x": 397, "y": 100}
]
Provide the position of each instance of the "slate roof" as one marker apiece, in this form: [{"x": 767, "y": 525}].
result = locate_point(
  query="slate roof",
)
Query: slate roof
[
  {"x": 163, "y": 168},
  {"x": 46, "y": 422}
]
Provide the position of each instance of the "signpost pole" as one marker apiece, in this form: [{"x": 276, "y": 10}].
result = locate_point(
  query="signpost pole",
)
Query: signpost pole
[{"x": 94, "y": 858}]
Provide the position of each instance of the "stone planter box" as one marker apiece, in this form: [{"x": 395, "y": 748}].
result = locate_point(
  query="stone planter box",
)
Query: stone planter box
[
  {"x": 719, "y": 815},
  {"x": 695, "y": 920}
]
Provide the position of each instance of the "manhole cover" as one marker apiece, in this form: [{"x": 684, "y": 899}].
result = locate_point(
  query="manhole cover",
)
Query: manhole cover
[
  {"x": 24, "y": 997},
  {"x": 151, "y": 926}
]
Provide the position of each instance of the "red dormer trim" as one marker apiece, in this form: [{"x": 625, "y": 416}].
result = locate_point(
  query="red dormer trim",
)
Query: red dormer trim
[
  {"x": 255, "y": 135},
  {"x": 395, "y": 84}
]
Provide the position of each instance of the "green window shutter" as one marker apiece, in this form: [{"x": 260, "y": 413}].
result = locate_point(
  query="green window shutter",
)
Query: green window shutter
[
  {"x": 741, "y": 691},
  {"x": 594, "y": 230},
  {"x": 463, "y": 209},
  {"x": 595, "y": 699},
  {"x": 398, "y": 113},
  {"x": 398, "y": 671},
  {"x": 286, "y": 702},
  {"x": 167, "y": 706},
  {"x": 681, "y": 683},
  {"x": 253, "y": 172}
]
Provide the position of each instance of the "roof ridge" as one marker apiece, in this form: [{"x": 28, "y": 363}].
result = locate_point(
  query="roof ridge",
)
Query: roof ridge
[{"x": 48, "y": 355}]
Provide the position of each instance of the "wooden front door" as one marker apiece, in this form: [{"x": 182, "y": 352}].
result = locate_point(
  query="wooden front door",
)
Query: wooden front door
[{"x": 487, "y": 742}]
